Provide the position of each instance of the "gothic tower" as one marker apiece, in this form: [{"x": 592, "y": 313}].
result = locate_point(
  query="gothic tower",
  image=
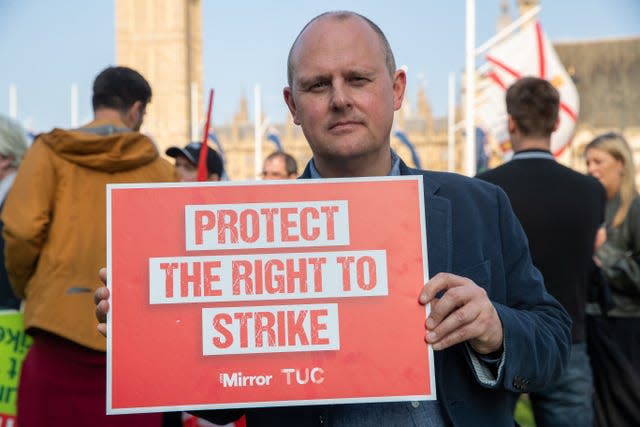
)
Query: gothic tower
[
  {"x": 505, "y": 16},
  {"x": 162, "y": 39},
  {"x": 525, "y": 5}
]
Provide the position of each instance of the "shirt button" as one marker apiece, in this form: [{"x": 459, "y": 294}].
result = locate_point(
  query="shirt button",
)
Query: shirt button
[{"x": 415, "y": 404}]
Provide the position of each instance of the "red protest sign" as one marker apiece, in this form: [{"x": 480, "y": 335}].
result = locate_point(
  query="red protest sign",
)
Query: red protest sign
[{"x": 227, "y": 295}]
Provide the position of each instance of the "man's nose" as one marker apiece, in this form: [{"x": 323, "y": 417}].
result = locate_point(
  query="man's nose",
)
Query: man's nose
[{"x": 340, "y": 97}]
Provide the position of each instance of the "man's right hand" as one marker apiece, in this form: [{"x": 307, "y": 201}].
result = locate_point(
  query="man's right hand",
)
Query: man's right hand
[{"x": 101, "y": 299}]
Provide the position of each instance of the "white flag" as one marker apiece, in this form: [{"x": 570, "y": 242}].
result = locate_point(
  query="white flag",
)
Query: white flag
[{"x": 526, "y": 53}]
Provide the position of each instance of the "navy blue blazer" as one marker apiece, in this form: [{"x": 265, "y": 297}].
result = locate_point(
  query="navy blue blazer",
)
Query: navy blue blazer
[{"x": 472, "y": 232}]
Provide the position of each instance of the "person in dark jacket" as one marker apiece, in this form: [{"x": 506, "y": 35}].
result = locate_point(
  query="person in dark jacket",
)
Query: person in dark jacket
[
  {"x": 614, "y": 331},
  {"x": 561, "y": 212},
  {"x": 496, "y": 331}
]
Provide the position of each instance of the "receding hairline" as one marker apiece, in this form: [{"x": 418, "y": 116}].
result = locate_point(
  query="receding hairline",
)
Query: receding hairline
[{"x": 343, "y": 15}]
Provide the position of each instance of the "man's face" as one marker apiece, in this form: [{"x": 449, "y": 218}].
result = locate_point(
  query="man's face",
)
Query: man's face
[
  {"x": 187, "y": 171},
  {"x": 275, "y": 168},
  {"x": 342, "y": 94}
]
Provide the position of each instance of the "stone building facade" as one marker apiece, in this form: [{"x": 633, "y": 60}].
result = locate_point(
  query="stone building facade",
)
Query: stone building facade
[
  {"x": 427, "y": 134},
  {"x": 606, "y": 75},
  {"x": 162, "y": 39}
]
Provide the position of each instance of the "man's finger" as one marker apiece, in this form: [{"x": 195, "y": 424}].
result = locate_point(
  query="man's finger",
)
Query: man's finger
[
  {"x": 102, "y": 308},
  {"x": 456, "y": 326},
  {"x": 102, "y": 329},
  {"x": 100, "y": 294},
  {"x": 438, "y": 283},
  {"x": 102, "y": 273},
  {"x": 448, "y": 303}
]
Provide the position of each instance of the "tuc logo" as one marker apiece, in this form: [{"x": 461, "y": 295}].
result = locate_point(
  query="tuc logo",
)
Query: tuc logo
[{"x": 292, "y": 376}]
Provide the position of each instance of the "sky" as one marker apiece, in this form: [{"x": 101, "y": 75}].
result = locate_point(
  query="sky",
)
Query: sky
[{"x": 46, "y": 46}]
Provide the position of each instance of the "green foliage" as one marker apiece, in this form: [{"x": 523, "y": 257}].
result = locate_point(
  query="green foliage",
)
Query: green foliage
[{"x": 524, "y": 414}]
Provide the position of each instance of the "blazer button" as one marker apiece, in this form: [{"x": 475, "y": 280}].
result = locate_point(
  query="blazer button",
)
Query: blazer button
[{"x": 415, "y": 404}]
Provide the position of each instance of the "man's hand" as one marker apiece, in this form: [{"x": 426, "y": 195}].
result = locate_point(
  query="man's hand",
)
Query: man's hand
[
  {"x": 101, "y": 299},
  {"x": 464, "y": 313}
]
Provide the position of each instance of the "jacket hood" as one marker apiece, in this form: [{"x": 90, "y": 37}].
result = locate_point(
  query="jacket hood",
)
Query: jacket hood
[{"x": 104, "y": 146}]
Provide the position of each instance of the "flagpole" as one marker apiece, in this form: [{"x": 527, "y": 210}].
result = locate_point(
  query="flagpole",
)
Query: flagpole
[
  {"x": 74, "y": 105},
  {"x": 257, "y": 131},
  {"x": 470, "y": 74},
  {"x": 451, "y": 119},
  {"x": 194, "y": 111},
  {"x": 13, "y": 101},
  {"x": 203, "y": 173},
  {"x": 506, "y": 31}
]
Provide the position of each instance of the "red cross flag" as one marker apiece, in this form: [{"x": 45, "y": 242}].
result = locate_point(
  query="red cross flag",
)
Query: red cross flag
[{"x": 525, "y": 53}]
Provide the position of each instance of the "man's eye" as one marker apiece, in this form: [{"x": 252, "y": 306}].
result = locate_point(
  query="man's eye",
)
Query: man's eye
[{"x": 318, "y": 86}]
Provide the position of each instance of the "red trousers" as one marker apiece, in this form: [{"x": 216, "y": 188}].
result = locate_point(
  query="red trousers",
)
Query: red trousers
[{"x": 64, "y": 384}]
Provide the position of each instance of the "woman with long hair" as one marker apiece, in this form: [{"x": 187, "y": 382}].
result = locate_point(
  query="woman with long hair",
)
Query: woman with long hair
[{"x": 614, "y": 332}]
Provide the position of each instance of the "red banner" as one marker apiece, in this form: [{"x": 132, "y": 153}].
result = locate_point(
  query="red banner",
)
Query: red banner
[{"x": 229, "y": 295}]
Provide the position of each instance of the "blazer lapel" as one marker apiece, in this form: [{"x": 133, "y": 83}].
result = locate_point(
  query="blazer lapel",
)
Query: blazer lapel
[{"x": 438, "y": 222}]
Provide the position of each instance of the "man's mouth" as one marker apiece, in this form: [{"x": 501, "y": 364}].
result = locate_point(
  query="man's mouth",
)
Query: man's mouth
[{"x": 344, "y": 125}]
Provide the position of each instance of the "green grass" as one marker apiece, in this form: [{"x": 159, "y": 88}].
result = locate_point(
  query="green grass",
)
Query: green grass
[{"x": 524, "y": 415}]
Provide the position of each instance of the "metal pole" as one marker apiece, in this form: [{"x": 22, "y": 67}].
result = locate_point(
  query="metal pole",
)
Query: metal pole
[
  {"x": 13, "y": 101},
  {"x": 506, "y": 31},
  {"x": 257, "y": 127},
  {"x": 194, "y": 111},
  {"x": 74, "y": 106},
  {"x": 470, "y": 74},
  {"x": 451, "y": 136}
]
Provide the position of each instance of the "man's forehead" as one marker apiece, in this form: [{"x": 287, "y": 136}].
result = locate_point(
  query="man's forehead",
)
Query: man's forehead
[
  {"x": 315, "y": 46},
  {"x": 277, "y": 162},
  {"x": 320, "y": 25}
]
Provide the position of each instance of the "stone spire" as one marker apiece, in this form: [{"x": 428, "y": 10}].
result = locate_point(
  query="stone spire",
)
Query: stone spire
[
  {"x": 525, "y": 5},
  {"x": 424, "y": 108},
  {"x": 505, "y": 16}
]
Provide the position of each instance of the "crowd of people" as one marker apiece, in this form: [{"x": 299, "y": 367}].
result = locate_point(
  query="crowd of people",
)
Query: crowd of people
[{"x": 534, "y": 268}]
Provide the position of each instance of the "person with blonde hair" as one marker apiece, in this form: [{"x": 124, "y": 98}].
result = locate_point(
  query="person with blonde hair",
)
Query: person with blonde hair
[
  {"x": 614, "y": 334},
  {"x": 13, "y": 144}
]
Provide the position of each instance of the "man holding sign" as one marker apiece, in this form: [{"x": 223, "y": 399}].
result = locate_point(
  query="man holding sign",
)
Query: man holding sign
[{"x": 496, "y": 331}]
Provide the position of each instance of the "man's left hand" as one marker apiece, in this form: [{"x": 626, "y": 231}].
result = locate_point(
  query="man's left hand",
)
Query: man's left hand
[{"x": 463, "y": 313}]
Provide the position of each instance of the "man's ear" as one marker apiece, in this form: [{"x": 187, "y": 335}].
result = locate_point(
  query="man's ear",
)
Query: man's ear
[
  {"x": 557, "y": 124},
  {"x": 132, "y": 115},
  {"x": 288, "y": 98},
  {"x": 399, "y": 85},
  {"x": 511, "y": 124}
]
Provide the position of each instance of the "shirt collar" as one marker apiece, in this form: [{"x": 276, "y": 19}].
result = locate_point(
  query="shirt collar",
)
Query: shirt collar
[
  {"x": 533, "y": 154},
  {"x": 395, "y": 167}
]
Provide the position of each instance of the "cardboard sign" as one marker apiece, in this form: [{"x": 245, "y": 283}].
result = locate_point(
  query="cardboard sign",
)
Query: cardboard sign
[
  {"x": 14, "y": 343},
  {"x": 230, "y": 295}
]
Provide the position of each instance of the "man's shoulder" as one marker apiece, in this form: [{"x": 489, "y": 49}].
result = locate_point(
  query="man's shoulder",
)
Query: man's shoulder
[
  {"x": 449, "y": 184},
  {"x": 543, "y": 171}
]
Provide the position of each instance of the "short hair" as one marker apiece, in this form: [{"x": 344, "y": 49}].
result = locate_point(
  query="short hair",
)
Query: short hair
[
  {"x": 533, "y": 104},
  {"x": 13, "y": 140},
  {"x": 343, "y": 15},
  {"x": 119, "y": 88},
  {"x": 615, "y": 145},
  {"x": 290, "y": 164}
]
